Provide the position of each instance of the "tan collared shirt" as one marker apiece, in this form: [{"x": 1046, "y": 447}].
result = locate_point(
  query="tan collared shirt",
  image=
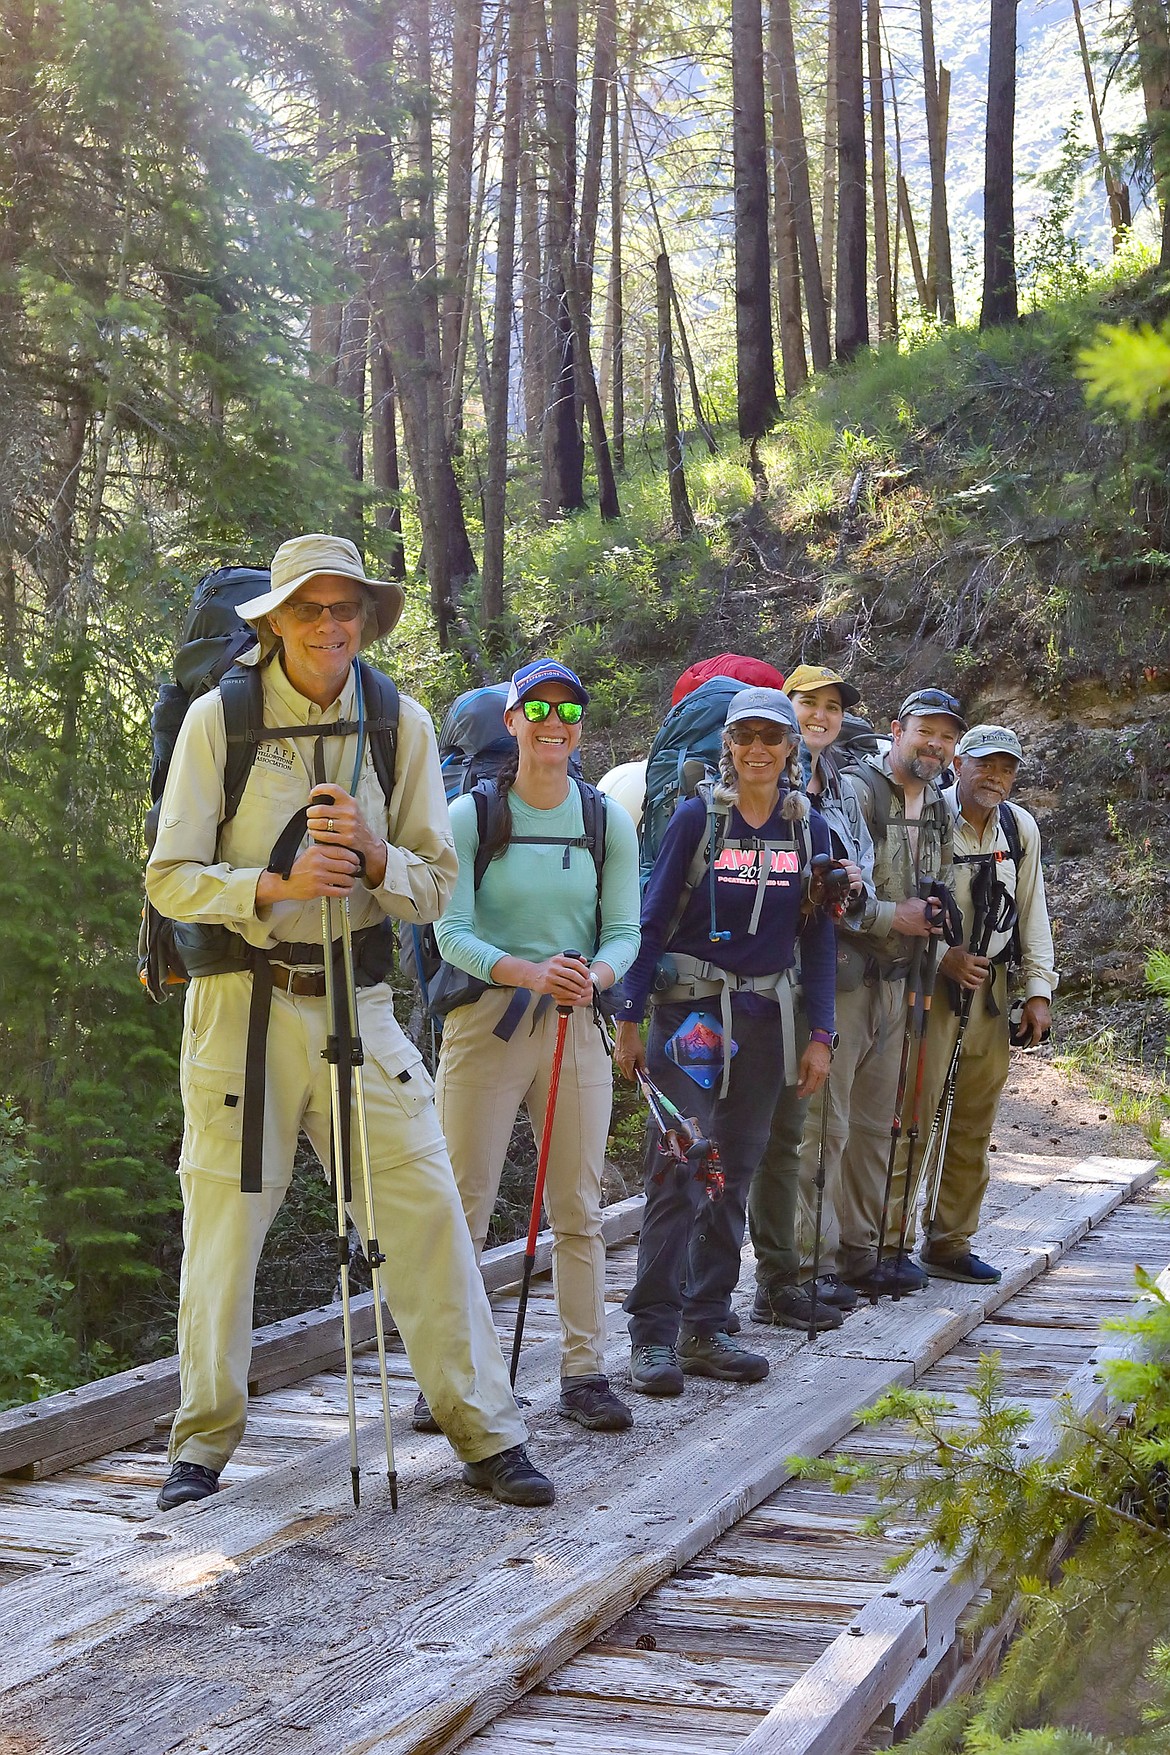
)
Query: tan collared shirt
[
  {"x": 200, "y": 872},
  {"x": 1037, "y": 957}
]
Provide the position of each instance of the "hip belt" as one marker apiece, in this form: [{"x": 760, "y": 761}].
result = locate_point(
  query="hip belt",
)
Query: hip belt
[{"x": 696, "y": 979}]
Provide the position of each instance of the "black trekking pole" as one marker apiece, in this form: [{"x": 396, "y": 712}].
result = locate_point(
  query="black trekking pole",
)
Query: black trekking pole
[
  {"x": 340, "y": 1154},
  {"x": 998, "y": 916},
  {"x": 564, "y": 1013},
  {"x": 899, "y": 1099},
  {"x": 922, "y": 1011},
  {"x": 343, "y": 1051},
  {"x": 820, "y": 1207}
]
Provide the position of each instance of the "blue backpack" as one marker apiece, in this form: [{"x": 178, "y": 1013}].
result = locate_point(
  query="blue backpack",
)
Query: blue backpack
[
  {"x": 474, "y": 744},
  {"x": 683, "y": 755}
]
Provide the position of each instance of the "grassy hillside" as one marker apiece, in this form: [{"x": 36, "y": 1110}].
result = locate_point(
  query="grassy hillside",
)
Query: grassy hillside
[{"x": 955, "y": 514}]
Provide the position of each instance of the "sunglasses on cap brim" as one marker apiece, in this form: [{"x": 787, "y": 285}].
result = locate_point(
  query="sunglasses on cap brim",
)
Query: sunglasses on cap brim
[
  {"x": 568, "y": 712},
  {"x": 932, "y": 701}
]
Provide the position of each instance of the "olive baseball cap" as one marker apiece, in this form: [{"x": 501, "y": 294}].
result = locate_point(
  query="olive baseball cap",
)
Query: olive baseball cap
[
  {"x": 990, "y": 740},
  {"x": 807, "y": 677}
]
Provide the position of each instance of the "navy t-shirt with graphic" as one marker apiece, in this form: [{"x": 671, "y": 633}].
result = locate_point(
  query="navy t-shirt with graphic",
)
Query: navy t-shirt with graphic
[{"x": 772, "y": 947}]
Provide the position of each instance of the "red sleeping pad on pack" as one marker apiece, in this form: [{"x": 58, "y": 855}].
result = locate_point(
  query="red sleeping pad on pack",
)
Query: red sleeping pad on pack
[{"x": 751, "y": 672}]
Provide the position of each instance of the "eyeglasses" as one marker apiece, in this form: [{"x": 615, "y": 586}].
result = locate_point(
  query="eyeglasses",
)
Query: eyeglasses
[
  {"x": 568, "y": 712},
  {"x": 347, "y": 610},
  {"x": 770, "y": 734}
]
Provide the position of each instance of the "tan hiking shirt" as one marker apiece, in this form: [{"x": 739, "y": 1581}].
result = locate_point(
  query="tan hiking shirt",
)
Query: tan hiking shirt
[
  {"x": 1037, "y": 957},
  {"x": 910, "y": 850},
  {"x": 198, "y": 872}
]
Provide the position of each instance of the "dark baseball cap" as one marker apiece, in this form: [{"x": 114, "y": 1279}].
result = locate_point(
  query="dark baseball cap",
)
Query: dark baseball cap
[{"x": 923, "y": 702}]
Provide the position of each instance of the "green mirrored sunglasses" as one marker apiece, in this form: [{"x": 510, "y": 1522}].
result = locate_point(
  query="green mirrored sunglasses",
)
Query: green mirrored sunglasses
[{"x": 568, "y": 712}]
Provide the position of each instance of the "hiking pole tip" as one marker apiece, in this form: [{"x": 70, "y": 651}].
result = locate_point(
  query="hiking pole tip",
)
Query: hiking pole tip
[
  {"x": 392, "y": 1479},
  {"x": 355, "y": 1482}
]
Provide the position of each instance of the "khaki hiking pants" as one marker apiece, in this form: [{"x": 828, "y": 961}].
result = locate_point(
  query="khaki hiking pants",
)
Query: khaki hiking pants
[
  {"x": 481, "y": 1084},
  {"x": 434, "y": 1289},
  {"x": 983, "y": 1071},
  {"x": 862, "y": 1091}
]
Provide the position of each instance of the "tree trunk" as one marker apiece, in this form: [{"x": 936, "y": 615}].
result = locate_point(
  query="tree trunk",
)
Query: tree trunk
[
  {"x": 999, "y": 224},
  {"x": 457, "y": 370},
  {"x": 405, "y": 309},
  {"x": 325, "y": 319},
  {"x": 352, "y": 354},
  {"x": 614, "y": 341},
  {"x": 756, "y": 402},
  {"x": 563, "y": 452},
  {"x": 882, "y": 270},
  {"x": 940, "y": 288},
  {"x": 793, "y": 360},
  {"x": 602, "y": 461},
  {"x": 384, "y": 452},
  {"x": 914, "y": 252},
  {"x": 680, "y": 505},
  {"x": 533, "y": 340},
  {"x": 604, "y": 65},
  {"x": 1152, "y": 28},
  {"x": 464, "y": 71},
  {"x": 829, "y": 172},
  {"x": 852, "y": 331},
  {"x": 796, "y": 156},
  {"x": 496, "y": 407},
  {"x": 1115, "y": 193}
]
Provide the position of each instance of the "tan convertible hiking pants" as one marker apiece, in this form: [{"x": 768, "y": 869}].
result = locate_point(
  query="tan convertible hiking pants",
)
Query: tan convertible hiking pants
[
  {"x": 481, "y": 1085},
  {"x": 430, "y": 1276}
]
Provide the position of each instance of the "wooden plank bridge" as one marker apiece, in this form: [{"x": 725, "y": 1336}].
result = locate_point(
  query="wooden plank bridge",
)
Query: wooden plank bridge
[{"x": 685, "y": 1595}]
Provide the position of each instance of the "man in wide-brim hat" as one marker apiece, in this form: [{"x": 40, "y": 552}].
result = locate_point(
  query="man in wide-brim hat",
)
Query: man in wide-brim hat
[{"x": 390, "y": 858}]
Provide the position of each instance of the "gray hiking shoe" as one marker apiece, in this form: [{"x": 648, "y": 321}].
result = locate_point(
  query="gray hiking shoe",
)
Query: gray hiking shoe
[
  {"x": 655, "y": 1371},
  {"x": 591, "y": 1402},
  {"x": 422, "y": 1419},
  {"x": 718, "y": 1356}
]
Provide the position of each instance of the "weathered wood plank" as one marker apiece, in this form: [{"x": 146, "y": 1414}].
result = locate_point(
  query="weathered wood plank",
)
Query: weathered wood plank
[{"x": 121, "y": 1409}]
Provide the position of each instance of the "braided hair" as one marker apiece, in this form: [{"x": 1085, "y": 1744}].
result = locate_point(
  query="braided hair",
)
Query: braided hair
[{"x": 499, "y": 834}]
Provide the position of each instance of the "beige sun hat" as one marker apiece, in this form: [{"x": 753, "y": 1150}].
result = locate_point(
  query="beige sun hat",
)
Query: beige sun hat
[{"x": 305, "y": 557}]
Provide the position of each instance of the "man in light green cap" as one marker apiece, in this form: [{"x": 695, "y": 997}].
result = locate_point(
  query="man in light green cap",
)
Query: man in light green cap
[{"x": 996, "y": 867}]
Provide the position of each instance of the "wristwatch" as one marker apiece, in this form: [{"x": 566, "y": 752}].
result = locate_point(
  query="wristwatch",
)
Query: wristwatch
[{"x": 828, "y": 1040}]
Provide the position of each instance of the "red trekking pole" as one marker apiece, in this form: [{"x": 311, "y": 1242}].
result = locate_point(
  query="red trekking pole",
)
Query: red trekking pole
[{"x": 564, "y": 1012}]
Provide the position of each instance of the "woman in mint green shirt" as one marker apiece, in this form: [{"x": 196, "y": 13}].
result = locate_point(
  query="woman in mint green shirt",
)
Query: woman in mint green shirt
[{"x": 539, "y": 897}]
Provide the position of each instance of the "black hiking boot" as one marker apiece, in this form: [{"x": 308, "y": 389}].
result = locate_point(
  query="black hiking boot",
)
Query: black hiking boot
[
  {"x": 792, "y": 1307},
  {"x": 511, "y": 1477},
  {"x": 187, "y": 1482},
  {"x": 718, "y": 1356},
  {"x": 591, "y": 1402},
  {"x": 833, "y": 1290}
]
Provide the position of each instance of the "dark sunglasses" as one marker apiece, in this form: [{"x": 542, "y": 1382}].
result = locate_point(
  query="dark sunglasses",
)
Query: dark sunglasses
[
  {"x": 770, "y": 734},
  {"x": 568, "y": 712},
  {"x": 347, "y": 610},
  {"x": 936, "y": 699}
]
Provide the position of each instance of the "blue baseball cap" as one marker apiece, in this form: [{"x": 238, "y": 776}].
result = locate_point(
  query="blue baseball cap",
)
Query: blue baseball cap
[
  {"x": 543, "y": 670},
  {"x": 770, "y": 704}
]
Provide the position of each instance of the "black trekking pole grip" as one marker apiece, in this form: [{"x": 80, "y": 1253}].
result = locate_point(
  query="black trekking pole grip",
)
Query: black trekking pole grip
[{"x": 576, "y": 957}]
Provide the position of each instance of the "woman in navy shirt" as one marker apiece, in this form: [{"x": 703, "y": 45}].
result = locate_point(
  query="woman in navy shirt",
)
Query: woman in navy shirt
[{"x": 720, "y": 919}]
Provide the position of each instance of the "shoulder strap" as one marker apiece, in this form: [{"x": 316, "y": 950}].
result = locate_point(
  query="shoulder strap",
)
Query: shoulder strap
[
  {"x": 1009, "y": 822},
  {"x": 241, "y": 690},
  {"x": 880, "y": 791},
  {"x": 593, "y": 816},
  {"x": 486, "y": 796},
  {"x": 380, "y": 695}
]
